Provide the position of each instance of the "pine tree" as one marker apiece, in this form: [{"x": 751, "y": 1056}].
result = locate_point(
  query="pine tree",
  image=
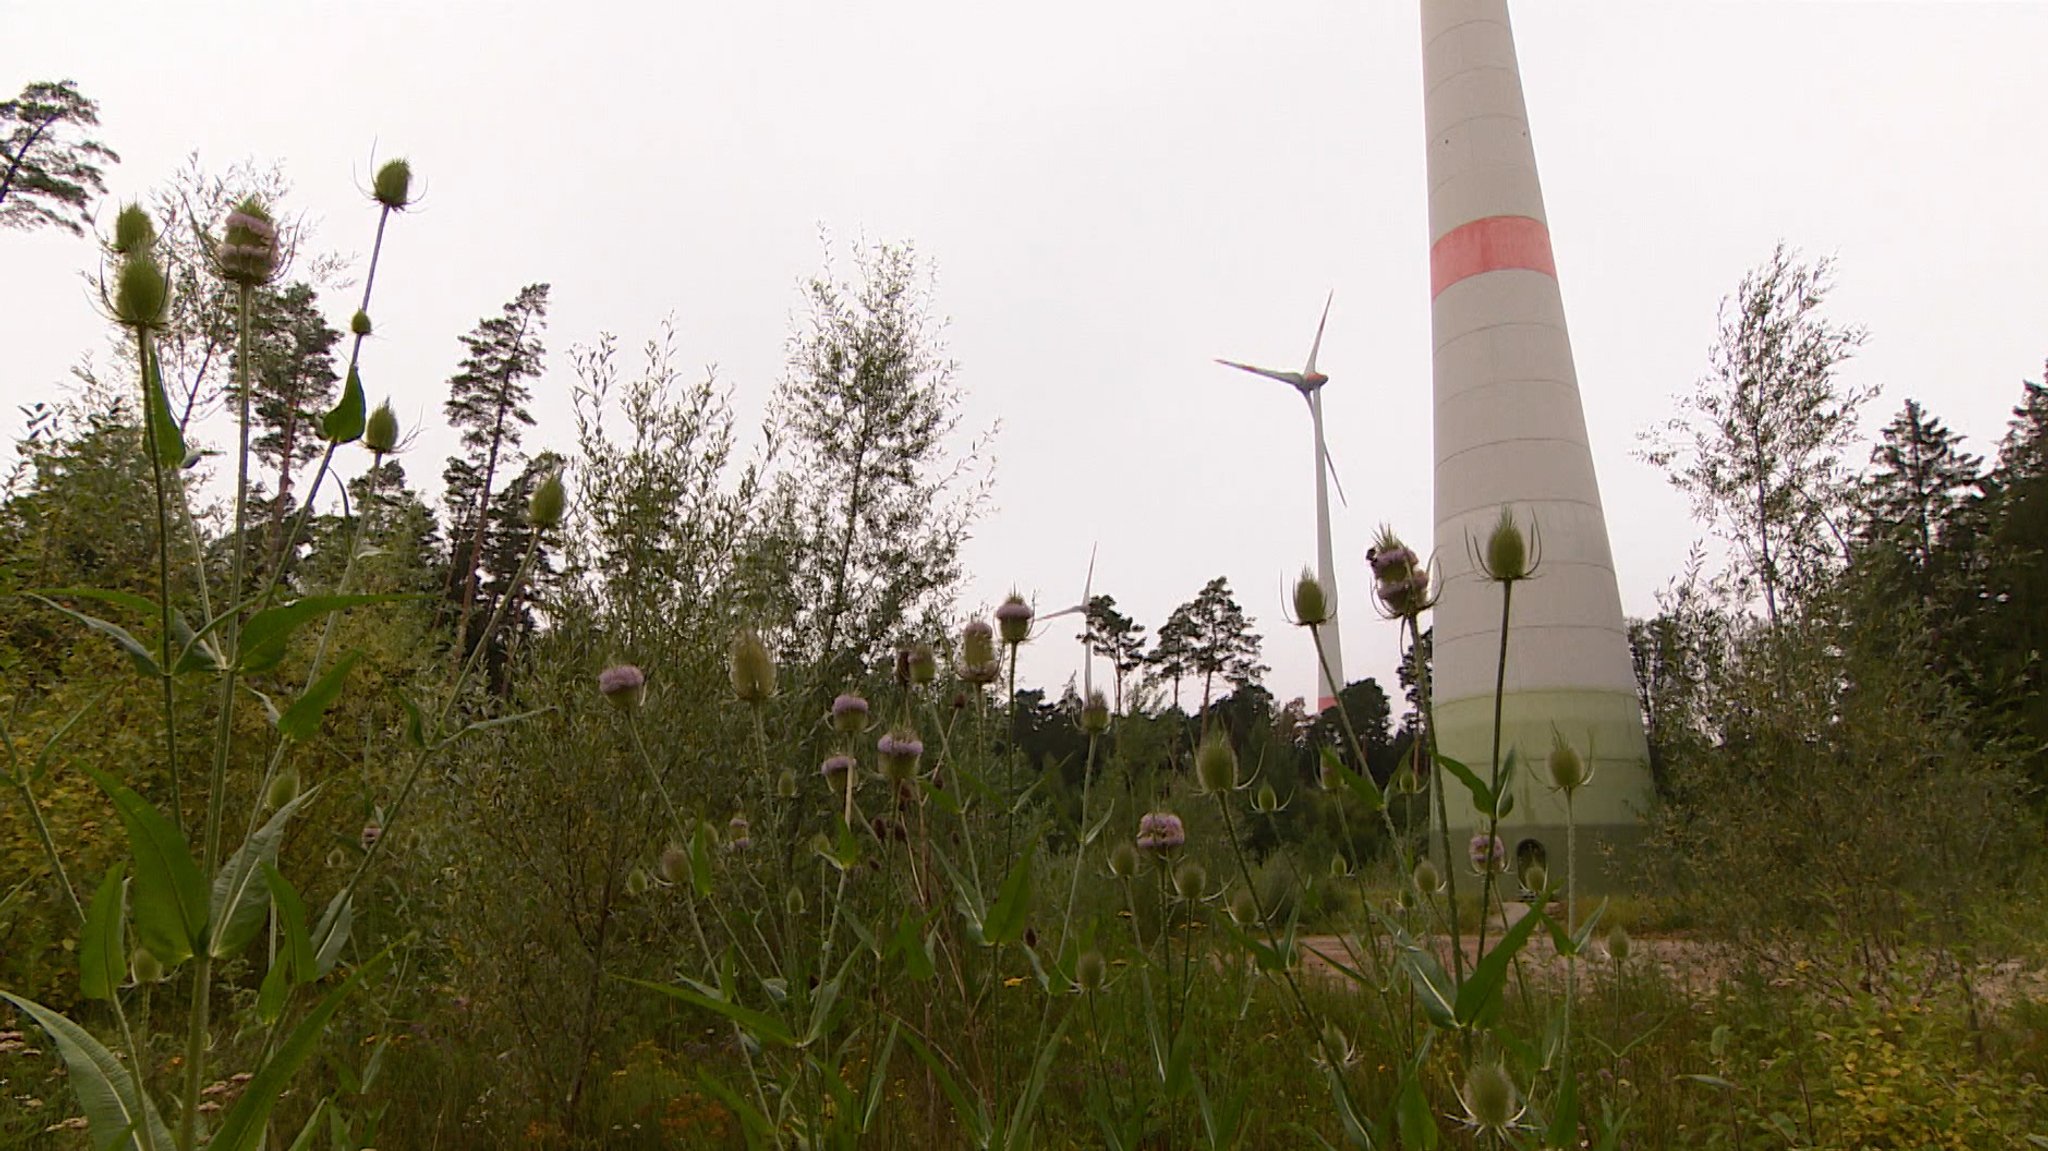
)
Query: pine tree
[
  {"x": 293, "y": 383},
  {"x": 46, "y": 176},
  {"x": 1172, "y": 656},
  {"x": 1923, "y": 482},
  {"x": 1116, "y": 637},
  {"x": 1220, "y": 640},
  {"x": 487, "y": 400}
]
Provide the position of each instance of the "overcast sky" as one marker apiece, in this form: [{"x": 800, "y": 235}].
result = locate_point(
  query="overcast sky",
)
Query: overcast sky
[{"x": 1113, "y": 193}]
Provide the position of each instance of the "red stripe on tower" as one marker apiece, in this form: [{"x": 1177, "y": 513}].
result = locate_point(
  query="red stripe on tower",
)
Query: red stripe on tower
[{"x": 1489, "y": 245}]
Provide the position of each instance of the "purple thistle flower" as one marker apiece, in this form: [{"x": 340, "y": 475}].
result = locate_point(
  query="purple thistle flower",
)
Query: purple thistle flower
[
  {"x": 836, "y": 768},
  {"x": 849, "y": 713},
  {"x": 1160, "y": 831},
  {"x": 1487, "y": 853},
  {"x": 623, "y": 684},
  {"x": 736, "y": 834},
  {"x": 1013, "y": 618},
  {"x": 899, "y": 752}
]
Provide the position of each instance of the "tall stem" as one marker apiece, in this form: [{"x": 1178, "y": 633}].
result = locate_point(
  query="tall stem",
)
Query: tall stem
[
  {"x": 1424, "y": 693},
  {"x": 1500, "y": 680},
  {"x": 151, "y": 387}
]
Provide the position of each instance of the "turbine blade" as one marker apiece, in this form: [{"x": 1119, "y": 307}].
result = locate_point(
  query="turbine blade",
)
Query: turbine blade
[
  {"x": 1088, "y": 649},
  {"x": 1317, "y": 347},
  {"x": 1293, "y": 378},
  {"x": 1332, "y": 466}
]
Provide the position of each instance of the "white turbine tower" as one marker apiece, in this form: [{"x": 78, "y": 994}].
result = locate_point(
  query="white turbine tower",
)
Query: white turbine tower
[{"x": 1309, "y": 382}]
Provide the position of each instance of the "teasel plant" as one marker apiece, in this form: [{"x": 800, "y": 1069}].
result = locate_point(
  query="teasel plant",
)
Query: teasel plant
[{"x": 188, "y": 910}]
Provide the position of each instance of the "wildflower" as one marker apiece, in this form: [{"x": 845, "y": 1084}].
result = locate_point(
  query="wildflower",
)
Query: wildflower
[
  {"x": 637, "y": 882},
  {"x": 1189, "y": 879},
  {"x": 393, "y": 185},
  {"x": 134, "y": 231},
  {"x": 1402, "y": 581},
  {"x": 1311, "y": 601},
  {"x": 1013, "y": 618},
  {"x": 380, "y": 433},
  {"x": 248, "y": 253},
  {"x": 372, "y": 832},
  {"x": 785, "y": 784},
  {"x": 141, "y": 293},
  {"x": 1618, "y": 943},
  {"x": 977, "y": 643},
  {"x": 1123, "y": 860},
  {"x": 359, "y": 324},
  {"x": 793, "y": 902},
  {"x": 284, "y": 787},
  {"x": 1568, "y": 772},
  {"x": 1266, "y": 801},
  {"x": 1216, "y": 765},
  {"x": 1095, "y": 714},
  {"x": 1244, "y": 907},
  {"x": 1487, "y": 853},
  {"x": 737, "y": 837},
  {"x": 1160, "y": 831},
  {"x": 899, "y": 752},
  {"x": 1426, "y": 878},
  {"x": 1490, "y": 1099},
  {"x": 549, "y": 500},
  {"x": 752, "y": 668},
  {"x": 674, "y": 864},
  {"x": 1336, "y": 1047},
  {"x": 849, "y": 714},
  {"x": 1507, "y": 558},
  {"x": 837, "y": 768},
  {"x": 146, "y": 966},
  {"x": 1090, "y": 972},
  {"x": 624, "y": 685},
  {"x": 924, "y": 664}
]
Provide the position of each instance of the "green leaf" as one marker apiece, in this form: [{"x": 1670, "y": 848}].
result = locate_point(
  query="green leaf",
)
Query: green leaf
[
  {"x": 344, "y": 425},
  {"x": 1479, "y": 1000},
  {"x": 1412, "y": 1117},
  {"x": 271, "y": 994},
  {"x": 137, "y": 654},
  {"x": 1005, "y": 923},
  {"x": 1482, "y": 795},
  {"x": 878, "y": 1078},
  {"x": 700, "y": 858},
  {"x": 1362, "y": 786},
  {"x": 169, "y": 440},
  {"x": 1019, "y": 1131},
  {"x": 909, "y": 943},
  {"x": 487, "y": 724},
  {"x": 765, "y": 1028},
  {"x": 1564, "y": 1116},
  {"x": 1355, "y": 1131},
  {"x": 291, "y": 919},
  {"x": 330, "y": 935},
  {"x": 103, "y": 947},
  {"x": 301, "y": 720},
  {"x": 972, "y": 1116},
  {"x": 129, "y": 601},
  {"x": 265, "y": 635},
  {"x": 305, "y": 1140},
  {"x": 170, "y": 901},
  {"x": 240, "y": 900},
  {"x": 1432, "y": 986},
  {"x": 242, "y": 1128},
  {"x": 115, "y": 1106},
  {"x": 1711, "y": 1081}
]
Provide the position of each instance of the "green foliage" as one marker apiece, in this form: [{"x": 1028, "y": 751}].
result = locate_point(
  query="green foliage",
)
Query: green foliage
[{"x": 49, "y": 169}]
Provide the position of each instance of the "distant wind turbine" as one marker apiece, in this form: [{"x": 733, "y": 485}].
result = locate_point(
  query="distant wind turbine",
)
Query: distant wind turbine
[{"x": 1309, "y": 382}]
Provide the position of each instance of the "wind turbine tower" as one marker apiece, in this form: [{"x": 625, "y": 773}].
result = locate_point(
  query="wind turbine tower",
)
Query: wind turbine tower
[
  {"x": 1309, "y": 382},
  {"x": 1510, "y": 430}
]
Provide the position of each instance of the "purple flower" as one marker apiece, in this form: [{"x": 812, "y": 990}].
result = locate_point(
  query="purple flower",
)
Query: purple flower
[
  {"x": 372, "y": 832},
  {"x": 836, "y": 768},
  {"x": 1013, "y": 618},
  {"x": 849, "y": 713},
  {"x": 899, "y": 752},
  {"x": 736, "y": 834},
  {"x": 1487, "y": 853},
  {"x": 1160, "y": 831},
  {"x": 623, "y": 684}
]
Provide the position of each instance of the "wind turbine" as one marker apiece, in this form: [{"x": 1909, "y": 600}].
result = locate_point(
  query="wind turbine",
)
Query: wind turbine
[{"x": 1309, "y": 382}]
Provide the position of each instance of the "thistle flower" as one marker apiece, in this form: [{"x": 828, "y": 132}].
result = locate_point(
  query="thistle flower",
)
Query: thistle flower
[
  {"x": 1189, "y": 879},
  {"x": 624, "y": 685},
  {"x": 1311, "y": 601},
  {"x": 1618, "y": 943},
  {"x": 1568, "y": 771},
  {"x": 1216, "y": 765},
  {"x": 837, "y": 768},
  {"x": 752, "y": 667},
  {"x": 1013, "y": 618},
  {"x": 1123, "y": 859},
  {"x": 549, "y": 501},
  {"x": 1090, "y": 972},
  {"x": 737, "y": 837},
  {"x": 372, "y": 832},
  {"x": 1244, "y": 907},
  {"x": 674, "y": 865},
  {"x": 1427, "y": 880},
  {"x": 1095, "y": 714},
  {"x": 380, "y": 432},
  {"x": 637, "y": 882},
  {"x": 1487, "y": 853},
  {"x": 247, "y": 254},
  {"x": 1492, "y": 1105},
  {"x": 1401, "y": 579},
  {"x": 1160, "y": 831},
  {"x": 785, "y": 784},
  {"x": 141, "y": 293},
  {"x": 899, "y": 752},
  {"x": 393, "y": 185},
  {"x": 146, "y": 966},
  {"x": 793, "y": 903},
  {"x": 1266, "y": 801},
  {"x": 284, "y": 787},
  {"x": 1507, "y": 557},
  {"x": 849, "y": 714},
  {"x": 134, "y": 231},
  {"x": 359, "y": 324},
  {"x": 924, "y": 664}
]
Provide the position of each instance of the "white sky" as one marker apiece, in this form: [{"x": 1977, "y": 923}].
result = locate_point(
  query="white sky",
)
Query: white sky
[{"x": 1114, "y": 194}]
